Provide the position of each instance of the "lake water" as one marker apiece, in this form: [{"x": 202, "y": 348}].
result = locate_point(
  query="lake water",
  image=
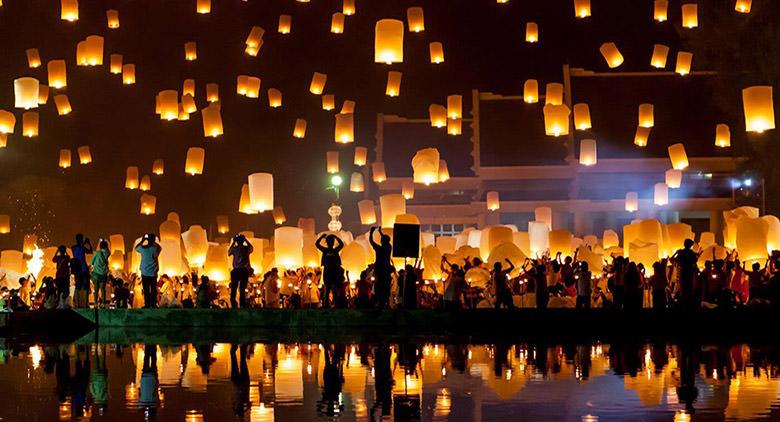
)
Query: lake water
[{"x": 390, "y": 381}]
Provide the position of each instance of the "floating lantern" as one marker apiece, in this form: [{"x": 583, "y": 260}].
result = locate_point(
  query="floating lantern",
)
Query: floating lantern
[
  {"x": 188, "y": 87},
  {"x": 69, "y": 10},
  {"x": 660, "y": 8},
  {"x": 43, "y": 94},
  {"x": 223, "y": 225},
  {"x": 64, "y": 161},
  {"x": 356, "y": 182},
  {"x": 81, "y": 53},
  {"x": 553, "y": 94},
  {"x": 194, "y": 163},
  {"x": 188, "y": 104},
  {"x": 378, "y": 171},
  {"x": 26, "y": 93},
  {"x": 261, "y": 191},
  {"x": 274, "y": 98},
  {"x": 252, "y": 87},
  {"x": 444, "y": 171},
  {"x": 678, "y": 157},
  {"x": 344, "y": 132},
  {"x": 158, "y": 167},
  {"x": 436, "y": 50},
  {"x": 454, "y": 126},
  {"x": 244, "y": 203},
  {"x": 85, "y": 156},
  {"x": 353, "y": 257},
  {"x": 168, "y": 104},
  {"x": 560, "y": 242},
  {"x": 278, "y": 214},
  {"x": 438, "y": 115},
  {"x": 203, "y": 6},
  {"x": 94, "y": 50},
  {"x": 146, "y": 184},
  {"x": 684, "y": 61},
  {"x": 11, "y": 260},
  {"x": 389, "y": 41},
  {"x": 57, "y": 74},
  {"x": 661, "y": 194},
  {"x": 117, "y": 243},
  {"x": 588, "y": 155},
  {"x": 5, "y": 224},
  {"x": 646, "y": 115},
  {"x": 743, "y": 6},
  {"x": 582, "y": 116},
  {"x": 128, "y": 74},
  {"x": 7, "y": 122},
  {"x": 610, "y": 239},
  {"x": 112, "y": 18},
  {"x": 492, "y": 201},
  {"x": 131, "y": 178},
  {"x": 751, "y": 239},
  {"x": 425, "y": 165},
  {"x": 337, "y": 23},
  {"x": 660, "y": 52},
  {"x": 407, "y": 189},
  {"x": 332, "y": 162},
  {"x": 582, "y": 8},
  {"x": 455, "y": 106},
  {"x": 212, "y": 92},
  {"x": 183, "y": 115},
  {"x": 212, "y": 120},
  {"x": 632, "y": 201},
  {"x": 531, "y": 91},
  {"x": 255, "y": 37},
  {"x": 288, "y": 247},
  {"x": 690, "y": 15},
  {"x": 190, "y": 51},
  {"x": 285, "y": 24},
  {"x": 722, "y": 136},
  {"x": 531, "y": 32},
  {"x": 115, "y": 64},
  {"x": 300, "y": 128},
  {"x": 611, "y": 54},
  {"x": 33, "y": 58},
  {"x": 196, "y": 245},
  {"x": 641, "y": 136},
  {"x": 556, "y": 120},
  {"x": 3, "y": 140},
  {"x": 63, "y": 104},
  {"x": 759, "y": 109},
  {"x": 544, "y": 215},
  {"x": 328, "y": 102},
  {"x": 673, "y": 178},
  {"x": 348, "y": 7},
  {"x": 367, "y": 212},
  {"x": 317, "y": 83},
  {"x": 361, "y": 154},
  {"x": 30, "y": 124},
  {"x": 390, "y": 206},
  {"x": 538, "y": 237},
  {"x": 348, "y": 106},
  {"x": 393, "y": 83},
  {"x": 415, "y": 19}
]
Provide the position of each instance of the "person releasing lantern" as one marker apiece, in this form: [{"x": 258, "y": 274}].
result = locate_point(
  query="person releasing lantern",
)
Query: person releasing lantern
[{"x": 389, "y": 41}]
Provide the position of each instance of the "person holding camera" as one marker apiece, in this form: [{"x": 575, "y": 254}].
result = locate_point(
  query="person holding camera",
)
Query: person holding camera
[
  {"x": 240, "y": 250},
  {"x": 149, "y": 250}
]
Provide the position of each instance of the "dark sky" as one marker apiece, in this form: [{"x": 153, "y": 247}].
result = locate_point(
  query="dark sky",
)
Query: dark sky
[{"x": 484, "y": 49}]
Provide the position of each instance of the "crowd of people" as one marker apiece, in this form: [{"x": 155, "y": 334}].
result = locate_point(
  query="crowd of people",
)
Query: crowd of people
[{"x": 684, "y": 280}]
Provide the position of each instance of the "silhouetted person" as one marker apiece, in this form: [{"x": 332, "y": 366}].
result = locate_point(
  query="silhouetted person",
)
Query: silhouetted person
[
  {"x": 150, "y": 252},
  {"x": 331, "y": 265},
  {"x": 80, "y": 270},
  {"x": 383, "y": 382},
  {"x": 363, "y": 286},
  {"x": 633, "y": 285},
  {"x": 98, "y": 382},
  {"x": 80, "y": 381},
  {"x": 332, "y": 380},
  {"x": 203, "y": 357},
  {"x": 239, "y": 376},
  {"x": 500, "y": 279},
  {"x": 687, "y": 392},
  {"x": 240, "y": 250},
  {"x": 540, "y": 284},
  {"x": 409, "y": 288},
  {"x": 62, "y": 275},
  {"x": 147, "y": 397},
  {"x": 686, "y": 260},
  {"x": 659, "y": 282},
  {"x": 99, "y": 275},
  {"x": 584, "y": 282},
  {"x": 383, "y": 267}
]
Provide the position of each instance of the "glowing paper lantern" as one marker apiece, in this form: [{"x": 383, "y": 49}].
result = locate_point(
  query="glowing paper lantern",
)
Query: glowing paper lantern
[
  {"x": 531, "y": 32},
  {"x": 344, "y": 132},
  {"x": 7, "y": 122},
  {"x": 299, "y": 131},
  {"x": 196, "y": 245},
  {"x": 390, "y": 206},
  {"x": 660, "y": 194},
  {"x": 560, "y": 241},
  {"x": 582, "y": 116},
  {"x": 773, "y": 233},
  {"x": 582, "y": 8},
  {"x": 115, "y": 63},
  {"x": 332, "y": 162},
  {"x": 684, "y": 60},
  {"x": 393, "y": 83},
  {"x": 759, "y": 109},
  {"x": 112, "y": 17},
  {"x": 389, "y": 41},
  {"x": 194, "y": 162},
  {"x": 285, "y": 24},
  {"x": 128, "y": 74},
  {"x": 158, "y": 167},
  {"x": 288, "y": 247},
  {"x": 33, "y": 58},
  {"x": 348, "y": 106},
  {"x": 454, "y": 126},
  {"x": 212, "y": 92},
  {"x": 244, "y": 203},
  {"x": 556, "y": 120},
  {"x": 646, "y": 116},
  {"x": 378, "y": 171},
  {"x": 64, "y": 161},
  {"x": 274, "y": 98},
  {"x": 13, "y": 261},
  {"x": 252, "y": 87},
  {"x": 146, "y": 184},
  {"x": 588, "y": 154},
  {"x": 673, "y": 178},
  {"x": 641, "y": 136},
  {"x": 190, "y": 51},
  {"x": 544, "y": 215},
  {"x": 188, "y": 88},
  {"x": 69, "y": 10},
  {"x": 30, "y": 124},
  {"x": 660, "y": 52},
  {"x": 170, "y": 229},
  {"x": 436, "y": 50},
  {"x": 722, "y": 136},
  {"x": 5, "y": 224},
  {"x": 632, "y": 201},
  {"x": 328, "y": 102},
  {"x": 26, "y": 93},
  {"x": 361, "y": 154},
  {"x": 611, "y": 54},
  {"x": 43, "y": 94},
  {"x": 278, "y": 215},
  {"x": 444, "y": 171},
  {"x": 317, "y": 84},
  {"x": 131, "y": 178},
  {"x": 168, "y": 102},
  {"x": 415, "y": 19},
  {"x": 660, "y": 8},
  {"x": 553, "y": 93},
  {"x": 492, "y": 201},
  {"x": 255, "y": 37},
  {"x": 751, "y": 239},
  {"x": 690, "y": 15},
  {"x": 438, "y": 115},
  {"x": 678, "y": 157},
  {"x": 407, "y": 189},
  {"x": 94, "y": 50},
  {"x": 743, "y": 6},
  {"x": 188, "y": 103},
  {"x": 425, "y": 165},
  {"x": 367, "y": 212},
  {"x": 212, "y": 120},
  {"x": 455, "y": 106},
  {"x": 538, "y": 237},
  {"x": 261, "y": 191},
  {"x": 356, "y": 182},
  {"x": 337, "y": 23},
  {"x": 85, "y": 156},
  {"x": 203, "y": 6},
  {"x": 57, "y": 74},
  {"x": 610, "y": 239},
  {"x": 3, "y": 140},
  {"x": 531, "y": 91},
  {"x": 348, "y": 7}
]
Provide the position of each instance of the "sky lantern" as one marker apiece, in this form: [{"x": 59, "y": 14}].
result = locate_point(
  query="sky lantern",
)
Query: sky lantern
[
  {"x": 556, "y": 120},
  {"x": 454, "y": 126},
  {"x": 203, "y": 6},
  {"x": 33, "y": 58},
  {"x": 660, "y": 52},
  {"x": 183, "y": 114},
  {"x": 684, "y": 61},
  {"x": 244, "y": 203},
  {"x": 254, "y": 41},
  {"x": 344, "y": 132},
  {"x": 632, "y": 201},
  {"x": 252, "y": 87},
  {"x": 112, "y": 18},
  {"x": 391, "y": 205},
  {"x": 328, "y": 102},
  {"x": 3, "y": 140},
  {"x": 7, "y": 122},
  {"x": 223, "y": 224},
  {"x": 455, "y": 106},
  {"x": 611, "y": 54},
  {"x": 722, "y": 136},
  {"x": 5, "y": 224},
  {"x": 317, "y": 84},
  {"x": 389, "y": 41},
  {"x": 660, "y": 8},
  {"x": 582, "y": 116},
  {"x": 415, "y": 19},
  {"x": 332, "y": 162},
  {"x": 348, "y": 7},
  {"x": 673, "y": 178},
  {"x": 212, "y": 120},
  {"x": 212, "y": 92},
  {"x": 444, "y": 171},
  {"x": 285, "y": 24},
  {"x": 759, "y": 109},
  {"x": 588, "y": 154},
  {"x": 190, "y": 51},
  {"x": 425, "y": 164},
  {"x": 646, "y": 115},
  {"x": 436, "y": 50},
  {"x": 661, "y": 194},
  {"x": 299, "y": 131},
  {"x": 169, "y": 104},
  {"x": 57, "y": 74},
  {"x": 188, "y": 103},
  {"x": 531, "y": 32},
  {"x": 65, "y": 158},
  {"x": 743, "y": 6},
  {"x": 356, "y": 182},
  {"x": 367, "y": 212},
  {"x": 69, "y": 10},
  {"x": 128, "y": 74},
  {"x": 407, "y": 189},
  {"x": 678, "y": 157},
  {"x": 538, "y": 237},
  {"x": 348, "y": 106},
  {"x": 196, "y": 245},
  {"x": 278, "y": 215},
  {"x": 146, "y": 184},
  {"x": 81, "y": 53},
  {"x": 115, "y": 64},
  {"x": 188, "y": 87},
  {"x": 274, "y": 98},
  {"x": 690, "y": 15},
  {"x": 531, "y": 91},
  {"x": 43, "y": 94},
  {"x": 85, "y": 156},
  {"x": 158, "y": 167},
  {"x": 26, "y": 93},
  {"x": 30, "y": 124},
  {"x": 553, "y": 93},
  {"x": 131, "y": 177},
  {"x": 393, "y": 83},
  {"x": 261, "y": 191},
  {"x": 63, "y": 104},
  {"x": 582, "y": 8},
  {"x": 641, "y": 136},
  {"x": 438, "y": 115},
  {"x": 288, "y": 247},
  {"x": 751, "y": 239},
  {"x": 378, "y": 171},
  {"x": 194, "y": 162},
  {"x": 361, "y": 154},
  {"x": 94, "y": 50},
  {"x": 337, "y": 23},
  {"x": 492, "y": 201}
]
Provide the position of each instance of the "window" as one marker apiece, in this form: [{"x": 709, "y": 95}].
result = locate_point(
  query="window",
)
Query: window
[{"x": 444, "y": 229}]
